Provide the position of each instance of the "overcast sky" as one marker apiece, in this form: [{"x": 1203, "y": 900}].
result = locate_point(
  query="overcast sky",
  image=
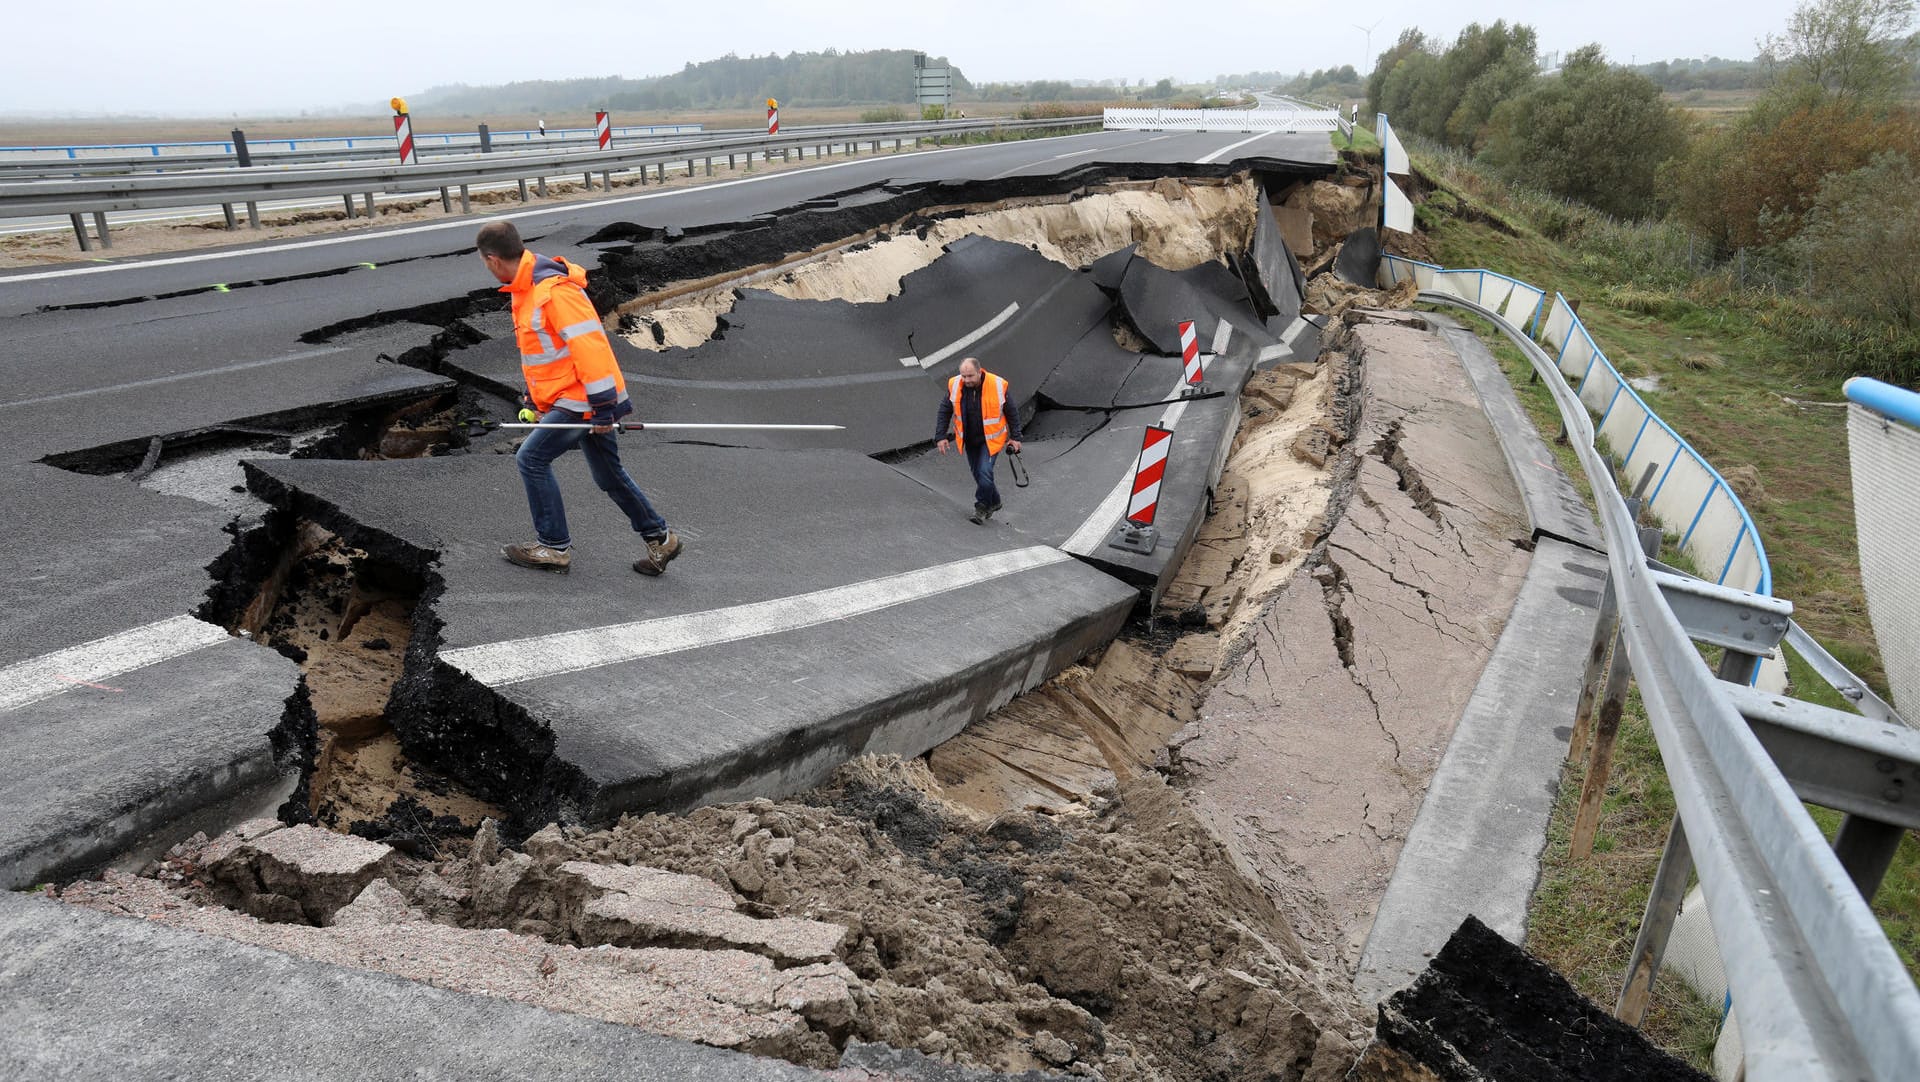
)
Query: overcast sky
[{"x": 200, "y": 59}]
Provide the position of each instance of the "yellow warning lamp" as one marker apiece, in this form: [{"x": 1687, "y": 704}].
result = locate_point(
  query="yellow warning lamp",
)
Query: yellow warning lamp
[
  {"x": 399, "y": 104},
  {"x": 772, "y": 104}
]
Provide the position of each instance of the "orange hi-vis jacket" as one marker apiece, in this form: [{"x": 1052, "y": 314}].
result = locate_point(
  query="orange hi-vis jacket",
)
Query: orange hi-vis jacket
[
  {"x": 993, "y": 420},
  {"x": 564, "y": 353}
]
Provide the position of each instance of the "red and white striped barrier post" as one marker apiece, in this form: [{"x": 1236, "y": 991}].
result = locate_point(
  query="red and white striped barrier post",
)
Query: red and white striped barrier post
[
  {"x": 602, "y": 129},
  {"x": 403, "y": 132},
  {"x": 1136, "y": 532},
  {"x": 1196, "y": 370},
  {"x": 773, "y": 117}
]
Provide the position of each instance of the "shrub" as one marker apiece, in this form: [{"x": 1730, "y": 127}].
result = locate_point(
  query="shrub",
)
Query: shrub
[{"x": 889, "y": 115}]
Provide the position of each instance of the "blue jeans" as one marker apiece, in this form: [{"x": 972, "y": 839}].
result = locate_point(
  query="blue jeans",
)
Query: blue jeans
[
  {"x": 982, "y": 463},
  {"x": 535, "y": 459}
]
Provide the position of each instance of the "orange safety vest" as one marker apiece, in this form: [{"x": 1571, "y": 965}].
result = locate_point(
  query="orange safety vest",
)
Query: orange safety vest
[
  {"x": 564, "y": 353},
  {"x": 993, "y": 419}
]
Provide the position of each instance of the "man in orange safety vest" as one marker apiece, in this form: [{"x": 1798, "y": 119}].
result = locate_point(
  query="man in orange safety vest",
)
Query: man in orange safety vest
[
  {"x": 981, "y": 417},
  {"x": 571, "y": 378}
]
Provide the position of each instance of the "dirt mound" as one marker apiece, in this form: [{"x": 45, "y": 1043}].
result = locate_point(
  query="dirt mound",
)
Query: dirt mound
[{"x": 1121, "y": 941}]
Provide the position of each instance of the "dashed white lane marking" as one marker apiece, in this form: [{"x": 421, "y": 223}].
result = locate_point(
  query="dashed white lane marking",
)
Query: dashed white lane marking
[
  {"x": 1284, "y": 347},
  {"x": 515, "y": 661},
  {"x": 952, "y": 348},
  {"x": 1077, "y": 154},
  {"x": 116, "y": 388},
  {"x": 1221, "y": 332},
  {"x": 43, "y": 677}
]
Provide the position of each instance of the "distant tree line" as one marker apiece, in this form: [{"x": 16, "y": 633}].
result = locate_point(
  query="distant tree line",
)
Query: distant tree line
[{"x": 830, "y": 77}]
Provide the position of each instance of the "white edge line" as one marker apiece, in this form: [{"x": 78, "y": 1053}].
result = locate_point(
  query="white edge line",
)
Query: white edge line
[
  {"x": 515, "y": 661},
  {"x": 1230, "y": 148},
  {"x": 1093, "y": 531},
  {"x": 48, "y": 675}
]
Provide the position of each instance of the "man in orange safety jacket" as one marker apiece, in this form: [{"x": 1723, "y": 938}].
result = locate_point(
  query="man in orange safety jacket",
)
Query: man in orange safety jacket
[
  {"x": 981, "y": 417},
  {"x": 571, "y": 378}
]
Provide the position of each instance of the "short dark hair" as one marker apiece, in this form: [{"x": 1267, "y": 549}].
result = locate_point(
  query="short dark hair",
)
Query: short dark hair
[{"x": 500, "y": 240}]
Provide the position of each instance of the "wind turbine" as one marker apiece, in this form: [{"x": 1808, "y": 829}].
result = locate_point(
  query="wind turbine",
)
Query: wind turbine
[{"x": 1368, "y": 31}]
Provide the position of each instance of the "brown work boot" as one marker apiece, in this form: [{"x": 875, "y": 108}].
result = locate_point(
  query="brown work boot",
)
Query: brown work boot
[
  {"x": 538, "y": 556},
  {"x": 659, "y": 554}
]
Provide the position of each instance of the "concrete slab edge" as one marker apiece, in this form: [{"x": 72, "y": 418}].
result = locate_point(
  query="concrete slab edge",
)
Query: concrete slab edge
[{"x": 1475, "y": 846}]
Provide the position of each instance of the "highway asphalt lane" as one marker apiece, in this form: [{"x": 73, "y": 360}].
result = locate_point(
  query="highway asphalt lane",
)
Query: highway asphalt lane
[{"x": 109, "y": 355}]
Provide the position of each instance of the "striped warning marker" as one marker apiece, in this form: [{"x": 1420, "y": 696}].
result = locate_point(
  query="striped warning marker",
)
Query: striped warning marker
[
  {"x": 1145, "y": 500},
  {"x": 773, "y": 117},
  {"x": 602, "y": 128},
  {"x": 403, "y": 134},
  {"x": 1190, "y": 352}
]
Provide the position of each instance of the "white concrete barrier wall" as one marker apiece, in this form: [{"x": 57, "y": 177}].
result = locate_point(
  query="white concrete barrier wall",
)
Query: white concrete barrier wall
[{"x": 1247, "y": 120}]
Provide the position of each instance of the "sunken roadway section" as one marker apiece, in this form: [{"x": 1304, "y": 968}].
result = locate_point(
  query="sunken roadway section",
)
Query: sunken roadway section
[{"x": 124, "y": 712}]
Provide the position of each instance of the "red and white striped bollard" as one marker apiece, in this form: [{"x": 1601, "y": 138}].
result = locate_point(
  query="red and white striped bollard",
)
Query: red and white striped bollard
[
  {"x": 1136, "y": 533},
  {"x": 1194, "y": 367},
  {"x": 403, "y": 134},
  {"x": 602, "y": 129}
]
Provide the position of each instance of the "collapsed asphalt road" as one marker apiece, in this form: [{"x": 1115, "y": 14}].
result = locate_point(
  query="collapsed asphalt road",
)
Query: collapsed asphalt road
[{"x": 125, "y": 713}]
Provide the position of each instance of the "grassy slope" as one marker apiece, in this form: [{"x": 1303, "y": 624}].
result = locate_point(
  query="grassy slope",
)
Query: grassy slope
[{"x": 1723, "y": 376}]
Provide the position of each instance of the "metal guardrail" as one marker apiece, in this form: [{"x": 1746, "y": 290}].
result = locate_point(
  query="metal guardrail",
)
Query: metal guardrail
[
  {"x": 75, "y": 197},
  {"x": 29, "y": 162},
  {"x": 1819, "y": 991}
]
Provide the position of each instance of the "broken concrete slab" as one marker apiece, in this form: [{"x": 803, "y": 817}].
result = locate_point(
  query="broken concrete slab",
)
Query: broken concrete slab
[
  {"x": 155, "y": 1000},
  {"x": 637, "y": 906},
  {"x": 319, "y": 871},
  {"x": 1358, "y": 671}
]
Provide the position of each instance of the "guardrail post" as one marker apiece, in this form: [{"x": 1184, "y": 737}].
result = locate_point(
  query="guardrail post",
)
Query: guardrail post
[
  {"x": 1605, "y": 631},
  {"x": 1866, "y": 849},
  {"x": 1656, "y": 926},
  {"x": 523, "y": 189},
  {"x": 586, "y": 178},
  {"x": 466, "y": 207},
  {"x": 80, "y": 232},
  {"x": 543, "y": 187},
  {"x": 348, "y": 199},
  {"x": 369, "y": 198},
  {"x": 446, "y": 201},
  {"x": 253, "y": 215},
  {"x": 709, "y": 165},
  {"x": 730, "y": 165},
  {"x": 663, "y": 172},
  {"x": 240, "y": 152},
  {"x": 1613, "y": 702}
]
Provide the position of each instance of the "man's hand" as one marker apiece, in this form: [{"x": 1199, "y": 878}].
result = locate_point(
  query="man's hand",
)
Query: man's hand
[
  {"x": 601, "y": 430},
  {"x": 943, "y": 446},
  {"x": 1014, "y": 446}
]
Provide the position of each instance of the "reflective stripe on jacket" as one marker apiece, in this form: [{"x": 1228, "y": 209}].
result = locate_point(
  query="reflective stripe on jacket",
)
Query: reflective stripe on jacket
[
  {"x": 565, "y": 357},
  {"x": 993, "y": 408}
]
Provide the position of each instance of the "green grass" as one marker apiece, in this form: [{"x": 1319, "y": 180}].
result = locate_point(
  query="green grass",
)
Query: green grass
[
  {"x": 1363, "y": 140},
  {"x": 1723, "y": 375}
]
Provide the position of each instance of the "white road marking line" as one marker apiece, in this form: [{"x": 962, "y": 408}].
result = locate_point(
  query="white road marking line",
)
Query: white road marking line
[
  {"x": 1221, "y": 332},
  {"x": 1093, "y": 532},
  {"x": 952, "y": 348},
  {"x": 1076, "y": 154},
  {"x": 157, "y": 380},
  {"x": 43, "y": 677},
  {"x": 468, "y": 225},
  {"x": 515, "y": 661},
  {"x": 1284, "y": 347},
  {"x": 1229, "y": 149}
]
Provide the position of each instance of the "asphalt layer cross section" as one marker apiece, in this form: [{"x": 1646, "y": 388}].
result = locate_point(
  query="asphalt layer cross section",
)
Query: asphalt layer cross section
[{"x": 825, "y": 606}]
